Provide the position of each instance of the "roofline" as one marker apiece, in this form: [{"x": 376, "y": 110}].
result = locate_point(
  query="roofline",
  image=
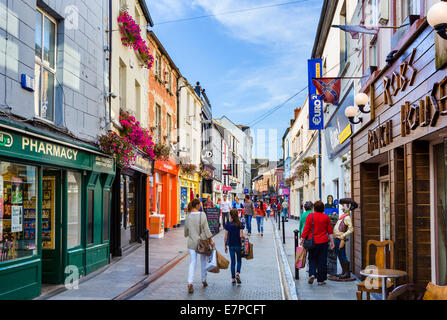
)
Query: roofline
[
  {"x": 163, "y": 50},
  {"x": 146, "y": 12},
  {"x": 326, "y": 17}
]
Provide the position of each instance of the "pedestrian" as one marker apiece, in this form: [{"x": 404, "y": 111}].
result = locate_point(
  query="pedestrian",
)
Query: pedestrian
[
  {"x": 268, "y": 210},
  {"x": 248, "y": 213},
  {"x": 260, "y": 215},
  {"x": 285, "y": 209},
  {"x": 318, "y": 226},
  {"x": 208, "y": 203},
  {"x": 234, "y": 234},
  {"x": 238, "y": 205},
  {"x": 201, "y": 206},
  {"x": 225, "y": 208},
  {"x": 196, "y": 221},
  {"x": 308, "y": 206},
  {"x": 219, "y": 200}
]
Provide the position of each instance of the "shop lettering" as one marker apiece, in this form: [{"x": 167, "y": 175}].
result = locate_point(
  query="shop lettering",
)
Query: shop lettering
[
  {"x": 399, "y": 80},
  {"x": 5, "y": 139},
  {"x": 380, "y": 137},
  {"x": 48, "y": 149},
  {"x": 427, "y": 112}
]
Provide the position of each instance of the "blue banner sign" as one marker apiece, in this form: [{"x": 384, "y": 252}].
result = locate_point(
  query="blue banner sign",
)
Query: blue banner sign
[{"x": 316, "y": 121}]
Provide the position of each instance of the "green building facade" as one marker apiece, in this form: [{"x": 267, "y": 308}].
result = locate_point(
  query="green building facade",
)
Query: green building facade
[{"x": 55, "y": 200}]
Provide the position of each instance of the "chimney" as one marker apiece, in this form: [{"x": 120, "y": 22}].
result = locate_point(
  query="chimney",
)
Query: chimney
[
  {"x": 198, "y": 88},
  {"x": 291, "y": 122},
  {"x": 297, "y": 112}
]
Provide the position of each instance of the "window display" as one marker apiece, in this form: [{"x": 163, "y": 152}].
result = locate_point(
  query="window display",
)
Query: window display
[
  {"x": 18, "y": 207},
  {"x": 48, "y": 212}
]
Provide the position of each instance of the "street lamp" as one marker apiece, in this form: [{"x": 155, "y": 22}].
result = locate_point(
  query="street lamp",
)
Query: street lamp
[
  {"x": 350, "y": 113},
  {"x": 437, "y": 18},
  {"x": 361, "y": 100}
]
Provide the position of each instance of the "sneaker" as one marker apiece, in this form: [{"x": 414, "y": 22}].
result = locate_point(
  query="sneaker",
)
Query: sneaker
[
  {"x": 238, "y": 279},
  {"x": 249, "y": 234},
  {"x": 311, "y": 279},
  {"x": 321, "y": 283},
  {"x": 233, "y": 282},
  {"x": 190, "y": 288}
]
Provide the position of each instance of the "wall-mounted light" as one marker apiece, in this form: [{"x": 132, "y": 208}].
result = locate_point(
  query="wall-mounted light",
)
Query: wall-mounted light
[
  {"x": 437, "y": 18},
  {"x": 361, "y": 100},
  {"x": 351, "y": 113}
]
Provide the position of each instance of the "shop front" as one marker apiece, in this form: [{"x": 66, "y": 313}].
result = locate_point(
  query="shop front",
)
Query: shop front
[
  {"x": 189, "y": 188},
  {"x": 54, "y": 210},
  {"x": 129, "y": 210},
  {"x": 399, "y": 162},
  {"x": 164, "y": 186},
  {"x": 217, "y": 191}
]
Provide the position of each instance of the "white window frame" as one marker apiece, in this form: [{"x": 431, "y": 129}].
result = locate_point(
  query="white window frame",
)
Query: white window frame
[
  {"x": 39, "y": 62},
  {"x": 382, "y": 180}
]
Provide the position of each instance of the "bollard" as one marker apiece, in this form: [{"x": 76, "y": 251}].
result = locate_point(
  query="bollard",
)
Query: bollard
[
  {"x": 279, "y": 221},
  {"x": 283, "y": 231},
  {"x": 297, "y": 271},
  {"x": 146, "y": 252}
]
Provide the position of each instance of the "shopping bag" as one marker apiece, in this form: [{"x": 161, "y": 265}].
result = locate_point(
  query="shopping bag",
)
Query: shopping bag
[
  {"x": 300, "y": 258},
  {"x": 222, "y": 262},
  {"x": 211, "y": 261},
  {"x": 245, "y": 248},
  {"x": 250, "y": 251}
]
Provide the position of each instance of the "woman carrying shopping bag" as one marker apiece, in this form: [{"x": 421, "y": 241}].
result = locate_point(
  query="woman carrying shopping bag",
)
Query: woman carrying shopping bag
[
  {"x": 198, "y": 232},
  {"x": 234, "y": 233}
]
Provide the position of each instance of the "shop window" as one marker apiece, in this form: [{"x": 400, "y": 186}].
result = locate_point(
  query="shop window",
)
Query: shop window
[
  {"x": 45, "y": 65},
  {"x": 106, "y": 215},
  {"x": 74, "y": 209},
  {"x": 385, "y": 201},
  {"x": 90, "y": 216},
  {"x": 18, "y": 208}
]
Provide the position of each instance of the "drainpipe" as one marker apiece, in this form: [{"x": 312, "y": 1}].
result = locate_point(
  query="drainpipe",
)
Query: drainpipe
[{"x": 109, "y": 122}]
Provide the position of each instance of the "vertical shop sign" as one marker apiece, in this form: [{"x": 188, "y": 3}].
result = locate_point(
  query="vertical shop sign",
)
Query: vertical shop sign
[
  {"x": 315, "y": 104},
  {"x": 183, "y": 201}
]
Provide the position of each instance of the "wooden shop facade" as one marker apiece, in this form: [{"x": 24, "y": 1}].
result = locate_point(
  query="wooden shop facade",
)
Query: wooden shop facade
[{"x": 399, "y": 160}]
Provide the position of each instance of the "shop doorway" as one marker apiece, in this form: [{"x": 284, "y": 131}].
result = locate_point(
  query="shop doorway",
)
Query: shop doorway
[
  {"x": 128, "y": 208},
  {"x": 51, "y": 227},
  {"x": 385, "y": 200}
]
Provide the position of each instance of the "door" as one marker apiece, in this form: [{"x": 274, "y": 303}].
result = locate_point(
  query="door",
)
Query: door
[
  {"x": 385, "y": 213},
  {"x": 51, "y": 227}
]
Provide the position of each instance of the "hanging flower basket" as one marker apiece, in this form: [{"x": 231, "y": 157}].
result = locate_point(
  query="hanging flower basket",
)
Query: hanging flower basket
[
  {"x": 188, "y": 168},
  {"x": 131, "y": 37},
  {"x": 205, "y": 174},
  {"x": 162, "y": 151},
  {"x": 118, "y": 147},
  {"x": 138, "y": 136}
]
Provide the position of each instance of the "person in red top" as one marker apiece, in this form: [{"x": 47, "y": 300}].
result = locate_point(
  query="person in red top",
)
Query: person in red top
[
  {"x": 319, "y": 226},
  {"x": 260, "y": 214}
]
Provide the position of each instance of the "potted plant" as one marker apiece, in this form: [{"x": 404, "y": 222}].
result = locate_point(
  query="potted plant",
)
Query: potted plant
[{"x": 161, "y": 151}]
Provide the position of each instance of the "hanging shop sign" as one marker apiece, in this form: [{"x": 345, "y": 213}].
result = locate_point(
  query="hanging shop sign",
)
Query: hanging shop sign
[
  {"x": 316, "y": 121},
  {"x": 104, "y": 164},
  {"x": 380, "y": 137}
]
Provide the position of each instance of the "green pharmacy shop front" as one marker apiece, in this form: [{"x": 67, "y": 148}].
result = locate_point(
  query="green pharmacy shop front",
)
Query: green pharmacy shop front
[{"x": 54, "y": 211}]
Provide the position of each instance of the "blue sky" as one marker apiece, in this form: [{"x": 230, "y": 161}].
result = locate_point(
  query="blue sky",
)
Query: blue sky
[{"x": 248, "y": 62}]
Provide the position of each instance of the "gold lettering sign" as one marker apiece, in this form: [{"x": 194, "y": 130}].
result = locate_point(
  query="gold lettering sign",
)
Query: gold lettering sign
[
  {"x": 380, "y": 137},
  {"x": 400, "y": 79},
  {"x": 427, "y": 112},
  {"x": 48, "y": 149}
]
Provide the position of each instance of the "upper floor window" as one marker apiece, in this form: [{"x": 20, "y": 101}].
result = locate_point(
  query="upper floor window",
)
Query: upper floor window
[
  {"x": 157, "y": 66},
  {"x": 158, "y": 123},
  {"x": 45, "y": 65},
  {"x": 168, "y": 128},
  {"x": 407, "y": 8},
  {"x": 169, "y": 80}
]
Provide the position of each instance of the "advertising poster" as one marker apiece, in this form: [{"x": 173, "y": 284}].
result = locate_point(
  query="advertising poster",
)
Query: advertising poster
[
  {"x": 16, "y": 219},
  {"x": 212, "y": 215},
  {"x": 316, "y": 121},
  {"x": 183, "y": 201},
  {"x": 16, "y": 191}
]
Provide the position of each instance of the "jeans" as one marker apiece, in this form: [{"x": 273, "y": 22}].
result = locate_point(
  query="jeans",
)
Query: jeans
[
  {"x": 225, "y": 218},
  {"x": 248, "y": 222},
  {"x": 318, "y": 261},
  {"x": 235, "y": 255},
  {"x": 260, "y": 221},
  {"x": 285, "y": 213},
  {"x": 192, "y": 265},
  {"x": 341, "y": 253}
]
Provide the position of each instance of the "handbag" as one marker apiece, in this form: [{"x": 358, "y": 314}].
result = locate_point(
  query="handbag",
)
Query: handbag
[
  {"x": 203, "y": 246},
  {"x": 245, "y": 248},
  {"x": 250, "y": 251},
  {"x": 300, "y": 260},
  {"x": 222, "y": 262},
  {"x": 211, "y": 262},
  {"x": 309, "y": 244}
]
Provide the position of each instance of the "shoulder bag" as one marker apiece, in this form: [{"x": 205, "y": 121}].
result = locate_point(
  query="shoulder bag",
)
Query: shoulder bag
[
  {"x": 203, "y": 246},
  {"x": 309, "y": 244}
]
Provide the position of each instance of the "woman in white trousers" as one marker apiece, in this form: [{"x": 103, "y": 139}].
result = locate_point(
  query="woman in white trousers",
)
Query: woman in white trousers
[{"x": 196, "y": 221}]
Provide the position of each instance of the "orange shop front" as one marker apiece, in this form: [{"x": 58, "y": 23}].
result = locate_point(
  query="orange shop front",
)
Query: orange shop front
[{"x": 162, "y": 190}]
